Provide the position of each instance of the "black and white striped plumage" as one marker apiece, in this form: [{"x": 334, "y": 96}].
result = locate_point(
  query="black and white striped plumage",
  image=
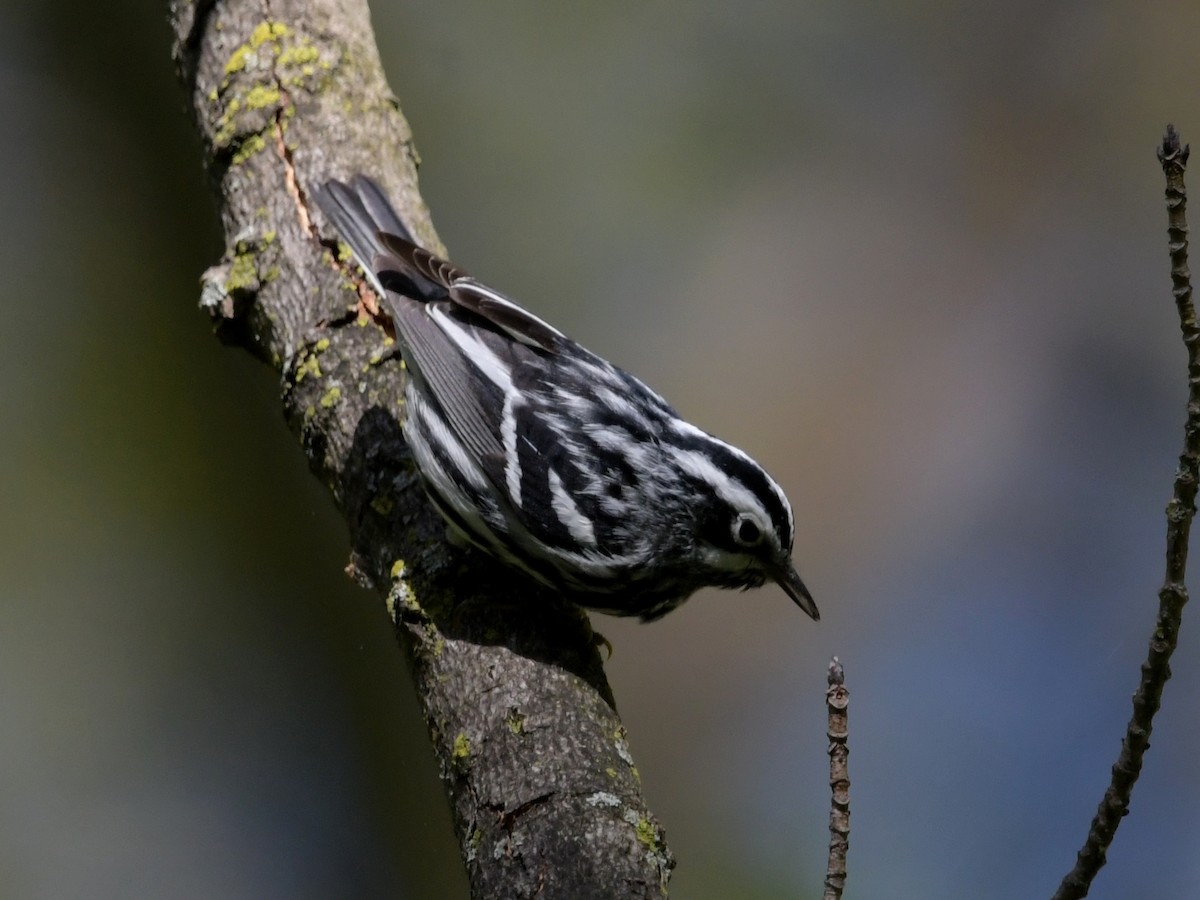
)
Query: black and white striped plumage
[{"x": 552, "y": 459}]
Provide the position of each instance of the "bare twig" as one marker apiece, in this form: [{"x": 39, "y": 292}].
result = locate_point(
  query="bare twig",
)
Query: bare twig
[
  {"x": 1173, "y": 594},
  {"x": 837, "y": 701}
]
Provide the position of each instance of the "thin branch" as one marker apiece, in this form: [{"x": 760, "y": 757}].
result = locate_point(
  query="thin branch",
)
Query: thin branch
[
  {"x": 1173, "y": 594},
  {"x": 544, "y": 795},
  {"x": 837, "y": 702}
]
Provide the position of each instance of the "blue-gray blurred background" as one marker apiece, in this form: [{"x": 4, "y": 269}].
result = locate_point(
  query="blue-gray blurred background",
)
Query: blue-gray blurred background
[{"x": 912, "y": 256}]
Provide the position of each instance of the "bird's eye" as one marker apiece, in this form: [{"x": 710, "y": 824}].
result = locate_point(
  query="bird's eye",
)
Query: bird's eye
[{"x": 746, "y": 530}]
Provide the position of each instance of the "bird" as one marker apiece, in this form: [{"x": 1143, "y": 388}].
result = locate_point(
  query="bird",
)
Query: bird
[{"x": 548, "y": 457}]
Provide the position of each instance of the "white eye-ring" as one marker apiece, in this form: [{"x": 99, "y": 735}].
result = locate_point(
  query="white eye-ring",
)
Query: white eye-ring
[{"x": 747, "y": 530}]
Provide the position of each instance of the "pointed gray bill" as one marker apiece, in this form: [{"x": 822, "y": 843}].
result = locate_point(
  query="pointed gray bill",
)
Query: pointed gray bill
[{"x": 788, "y": 579}]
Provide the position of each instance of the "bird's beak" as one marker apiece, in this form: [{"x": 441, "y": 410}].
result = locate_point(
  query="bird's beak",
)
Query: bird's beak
[{"x": 788, "y": 579}]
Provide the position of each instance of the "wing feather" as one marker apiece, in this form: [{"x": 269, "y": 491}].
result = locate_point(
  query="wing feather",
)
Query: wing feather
[
  {"x": 470, "y": 401},
  {"x": 474, "y": 296}
]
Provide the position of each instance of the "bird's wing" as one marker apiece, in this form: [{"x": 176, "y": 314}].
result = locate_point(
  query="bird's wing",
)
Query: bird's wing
[{"x": 483, "y": 359}]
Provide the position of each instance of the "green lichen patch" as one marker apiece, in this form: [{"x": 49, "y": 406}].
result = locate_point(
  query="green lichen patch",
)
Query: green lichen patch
[
  {"x": 308, "y": 367},
  {"x": 254, "y": 143},
  {"x": 515, "y": 720},
  {"x": 647, "y": 834},
  {"x": 303, "y": 54},
  {"x": 243, "y": 274},
  {"x": 650, "y": 836},
  {"x": 302, "y": 66},
  {"x": 261, "y": 96},
  {"x": 246, "y": 271},
  {"x": 460, "y": 752},
  {"x": 235, "y": 63},
  {"x": 258, "y": 78},
  {"x": 401, "y": 599},
  {"x": 330, "y": 398},
  {"x": 268, "y": 31},
  {"x": 308, "y": 364}
]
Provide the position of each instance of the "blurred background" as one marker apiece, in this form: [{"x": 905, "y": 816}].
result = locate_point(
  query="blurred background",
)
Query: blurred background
[{"x": 911, "y": 256}]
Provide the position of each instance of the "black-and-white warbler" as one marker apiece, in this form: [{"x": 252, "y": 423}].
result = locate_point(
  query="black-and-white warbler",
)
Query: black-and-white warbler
[{"x": 552, "y": 459}]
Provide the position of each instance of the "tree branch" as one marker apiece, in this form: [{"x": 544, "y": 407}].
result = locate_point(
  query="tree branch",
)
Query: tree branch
[
  {"x": 1173, "y": 594},
  {"x": 545, "y": 798}
]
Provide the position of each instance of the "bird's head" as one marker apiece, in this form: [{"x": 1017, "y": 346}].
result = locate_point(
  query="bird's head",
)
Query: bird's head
[{"x": 740, "y": 520}]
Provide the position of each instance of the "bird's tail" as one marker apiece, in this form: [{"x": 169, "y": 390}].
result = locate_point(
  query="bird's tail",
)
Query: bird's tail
[{"x": 360, "y": 211}]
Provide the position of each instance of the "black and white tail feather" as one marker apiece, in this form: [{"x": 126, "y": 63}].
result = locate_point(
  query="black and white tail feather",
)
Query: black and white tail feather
[{"x": 552, "y": 459}]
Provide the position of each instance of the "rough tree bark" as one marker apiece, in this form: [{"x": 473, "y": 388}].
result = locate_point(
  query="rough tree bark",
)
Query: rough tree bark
[{"x": 545, "y": 797}]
